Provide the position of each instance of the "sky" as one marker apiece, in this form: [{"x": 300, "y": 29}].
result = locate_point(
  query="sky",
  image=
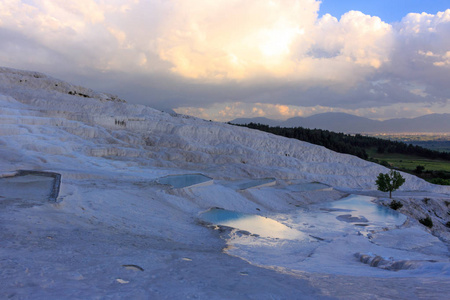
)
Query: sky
[{"x": 225, "y": 59}]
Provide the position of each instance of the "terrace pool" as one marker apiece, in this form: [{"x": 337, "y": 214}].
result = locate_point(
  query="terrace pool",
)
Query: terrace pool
[
  {"x": 27, "y": 188},
  {"x": 261, "y": 226},
  {"x": 186, "y": 180},
  {"x": 309, "y": 186},
  {"x": 257, "y": 183},
  {"x": 361, "y": 210},
  {"x": 342, "y": 237}
]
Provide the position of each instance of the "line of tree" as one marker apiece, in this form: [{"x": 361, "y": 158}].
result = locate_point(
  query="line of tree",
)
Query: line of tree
[{"x": 349, "y": 144}]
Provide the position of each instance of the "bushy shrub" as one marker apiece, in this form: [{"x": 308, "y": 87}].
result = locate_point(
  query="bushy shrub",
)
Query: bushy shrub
[
  {"x": 440, "y": 181},
  {"x": 419, "y": 169},
  {"x": 385, "y": 164},
  {"x": 395, "y": 205},
  {"x": 427, "y": 222}
]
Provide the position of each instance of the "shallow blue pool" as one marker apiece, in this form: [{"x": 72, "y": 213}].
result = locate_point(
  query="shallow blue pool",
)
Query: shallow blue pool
[
  {"x": 362, "y": 207},
  {"x": 262, "y": 226},
  {"x": 185, "y": 180}
]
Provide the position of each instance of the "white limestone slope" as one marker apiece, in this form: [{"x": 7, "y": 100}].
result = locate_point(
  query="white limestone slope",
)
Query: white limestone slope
[
  {"x": 40, "y": 118},
  {"x": 116, "y": 232}
]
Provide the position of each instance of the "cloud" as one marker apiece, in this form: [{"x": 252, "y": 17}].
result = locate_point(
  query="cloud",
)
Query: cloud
[
  {"x": 225, "y": 40},
  {"x": 272, "y": 39},
  {"x": 421, "y": 55},
  {"x": 86, "y": 34},
  {"x": 197, "y": 55}
]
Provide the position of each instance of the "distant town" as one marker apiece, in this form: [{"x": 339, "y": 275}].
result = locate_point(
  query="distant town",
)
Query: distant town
[{"x": 431, "y": 140}]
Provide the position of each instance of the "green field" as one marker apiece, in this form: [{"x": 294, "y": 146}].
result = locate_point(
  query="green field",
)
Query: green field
[{"x": 409, "y": 162}]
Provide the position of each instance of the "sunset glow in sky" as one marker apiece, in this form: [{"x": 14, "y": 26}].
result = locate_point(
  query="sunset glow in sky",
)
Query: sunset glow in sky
[{"x": 223, "y": 59}]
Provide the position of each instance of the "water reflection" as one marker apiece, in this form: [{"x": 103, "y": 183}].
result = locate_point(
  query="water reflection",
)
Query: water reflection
[
  {"x": 254, "y": 224},
  {"x": 325, "y": 238},
  {"x": 355, "y": 212},
  {"x": 362, "y": 207}
]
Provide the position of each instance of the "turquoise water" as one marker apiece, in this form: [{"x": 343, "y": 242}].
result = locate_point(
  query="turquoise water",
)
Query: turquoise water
[
  {"x": 359, "y": 207},
  {"x": 355, "y": 211},
  {"x": 353, "y": 236},
  {"x": 186, "y": 180},
  {"x": 254, "y": 224},
  {"x": 257, "y": 183}
]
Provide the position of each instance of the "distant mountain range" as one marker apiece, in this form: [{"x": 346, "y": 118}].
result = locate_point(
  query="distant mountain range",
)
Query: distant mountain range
[{"x": 342, "y": 122}]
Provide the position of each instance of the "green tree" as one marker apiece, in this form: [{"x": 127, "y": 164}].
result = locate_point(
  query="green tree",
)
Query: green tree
[
  {"x": 419, "y": 169},
  {"x": 389, "y": 182}
]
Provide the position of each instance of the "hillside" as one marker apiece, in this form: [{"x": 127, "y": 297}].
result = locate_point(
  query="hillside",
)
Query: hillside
[
  {"x": 117, "y": 228},
  {"x": 395, "y": 154},
  {"x": 98, "y": 126},
  {"x": 342, "y": 122}
]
